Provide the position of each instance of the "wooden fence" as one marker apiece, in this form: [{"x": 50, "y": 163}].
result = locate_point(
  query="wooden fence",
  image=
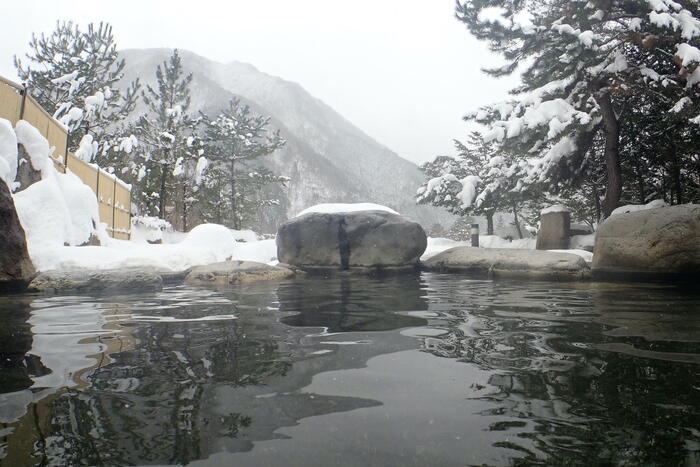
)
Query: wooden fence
[{"x": 113, "y": 195}]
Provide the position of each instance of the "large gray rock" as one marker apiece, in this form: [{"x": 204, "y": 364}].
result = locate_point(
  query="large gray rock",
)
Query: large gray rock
[
  {"x": 16, "y": 269},
  {"x": 88, "y": 281},
  {"x": 363, "y": 240},
  {"x": 654, "y": 242},
  {"x": 510, "y": 263},
  {"x": 231, "y": 272},
  {"x": 554, "y": 231}
]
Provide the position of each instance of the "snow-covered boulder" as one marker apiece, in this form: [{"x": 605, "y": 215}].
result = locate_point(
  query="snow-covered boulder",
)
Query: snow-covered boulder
[
  {"x": 510, "y": 263},
  {"x": 649, "y": 242},
  {"x": 232, "y": 272},
  {"x": 345, "y": 240},
  {"x": 16, "y": 269}
]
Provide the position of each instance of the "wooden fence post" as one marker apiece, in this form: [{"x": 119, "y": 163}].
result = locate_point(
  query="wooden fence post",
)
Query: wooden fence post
[
  {"x": 24, "y": 99},
  {"x": 114, "y": 206}
]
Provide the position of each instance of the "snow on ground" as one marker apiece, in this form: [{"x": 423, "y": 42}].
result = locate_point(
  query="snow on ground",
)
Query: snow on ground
[
  {"x": 204, "y": 244},
  {"x": 657, "y": 203},
  {"x": 579, "y": 242},
  {"x": 60, "y": 212},
  {"x": 345, "y": 207},
  {"x": 494, "y": 241}
]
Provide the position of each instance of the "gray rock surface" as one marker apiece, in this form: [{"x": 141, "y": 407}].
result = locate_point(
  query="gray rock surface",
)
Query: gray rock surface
[
  {"x": 652, "y": 242},
  {"x": 89, "y": 281},
  {"x": 511, "y": 263},
  {"x": 363, "y": 239},
  {"x": 231, "y": 272},
  {"x": 16, "y": 269},
  {"x": 554, "y": 231}
]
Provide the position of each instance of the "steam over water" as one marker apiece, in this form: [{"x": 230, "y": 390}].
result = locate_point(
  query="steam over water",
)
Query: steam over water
[{"x": 413, "y": 370}]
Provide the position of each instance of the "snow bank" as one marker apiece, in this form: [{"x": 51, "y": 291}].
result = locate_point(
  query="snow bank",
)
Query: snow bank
[
  {"x": 494, "y": 241},
  {"x": 349, "y": 207},
  {"x": 58, "y": 210},
  {"x": 149, "y": 229},
  {"x": 8, "y": 153},
  {"x": 579, "y": 242},
  {"x": 657, "y": 203},
  {"x": 244, "y": 235},
  {"x": 204, "y": 244},
  {"x": 36, "y": 146}
]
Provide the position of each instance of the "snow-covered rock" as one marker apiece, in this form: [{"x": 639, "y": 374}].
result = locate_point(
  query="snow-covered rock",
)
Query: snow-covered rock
[
  {"x": 233, "y": 272},
  {"x": 657, "y": 203},
  {"x": 504, "y": 263},
  {"x": 361, "y": 240},
  {"x": 334, "y": 208},
  {"x": 661, "y": 241},
  {"x": 106, "y": 281},
  {"x": 438, "y": 245}
]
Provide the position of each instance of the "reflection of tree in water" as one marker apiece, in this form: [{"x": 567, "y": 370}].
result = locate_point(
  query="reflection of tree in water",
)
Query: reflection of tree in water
[
  {"x": 588, "y": 406},
  {"x": 144, "y": 405}
]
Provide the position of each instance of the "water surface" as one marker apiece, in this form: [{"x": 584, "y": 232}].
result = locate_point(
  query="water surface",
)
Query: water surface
[{"x": 414, "y": 370}]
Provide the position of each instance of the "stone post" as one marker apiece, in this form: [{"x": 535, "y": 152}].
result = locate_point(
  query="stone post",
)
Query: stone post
[
  {"x": 554, "y": 231},
  {"x": 475, "y": 235}
]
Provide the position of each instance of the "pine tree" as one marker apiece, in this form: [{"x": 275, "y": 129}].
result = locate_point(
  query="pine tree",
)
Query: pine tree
[
  {"x": 235, "y": 140},
  {"x": 581, "y": 62},
  {"x": 73, "y": 74},
  {"x": 472, "y": 183},
  {"x": 169, "y": 150}
]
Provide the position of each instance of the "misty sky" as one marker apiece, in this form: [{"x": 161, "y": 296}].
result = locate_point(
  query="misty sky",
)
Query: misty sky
[{"x": 404, "y": 71}]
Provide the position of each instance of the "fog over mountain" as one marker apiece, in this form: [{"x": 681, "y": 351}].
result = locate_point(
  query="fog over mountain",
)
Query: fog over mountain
[{"x": 326, "y": 157}]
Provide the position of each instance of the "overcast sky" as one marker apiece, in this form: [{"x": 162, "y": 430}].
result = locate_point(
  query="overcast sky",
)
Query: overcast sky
[{"x": 404, "y": 71}]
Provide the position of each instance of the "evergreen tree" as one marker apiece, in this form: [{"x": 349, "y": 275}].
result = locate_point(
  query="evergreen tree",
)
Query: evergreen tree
[
  {"x": 236, "y": 139},
  {"x": 466, "y": 185},
  {"x": 581, "y": 63},
  {"x": 169, "y": 150},
  {"x": 73, "y": 74}
]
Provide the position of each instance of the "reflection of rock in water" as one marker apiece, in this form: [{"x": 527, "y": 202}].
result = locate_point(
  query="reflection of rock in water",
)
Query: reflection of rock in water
[
  {"x": 17, "y": 366},
  {"x": 168, "y": 391},
  {"x": 347, "y": 303}
]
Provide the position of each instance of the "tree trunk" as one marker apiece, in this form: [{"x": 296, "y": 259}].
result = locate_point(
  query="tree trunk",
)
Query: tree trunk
[
  {"x": 676, "y": 172},
  {"x": 613, "y": 183},
  {"x": 163, "y": 184},
  {"x": 596, "y": 200},
  {"x": 640, "y": 181},
  {"x": 234, "y": 206},
  {"x": 184, "y": 207},
  {"x": 517, "y": 222},
  {"x": 489, "y": 223}
]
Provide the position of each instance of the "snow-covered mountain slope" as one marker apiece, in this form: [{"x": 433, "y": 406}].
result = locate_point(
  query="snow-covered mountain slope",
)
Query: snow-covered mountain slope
[{"x": 327, "y": 158}]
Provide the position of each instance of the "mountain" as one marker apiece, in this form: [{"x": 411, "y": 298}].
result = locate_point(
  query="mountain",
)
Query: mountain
[{"x": 326, "y": 157}]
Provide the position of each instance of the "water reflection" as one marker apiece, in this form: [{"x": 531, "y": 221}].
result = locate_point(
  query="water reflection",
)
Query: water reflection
[
  {"x": 410, "y": 370},
  {"x": 346, "y": 304}
]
